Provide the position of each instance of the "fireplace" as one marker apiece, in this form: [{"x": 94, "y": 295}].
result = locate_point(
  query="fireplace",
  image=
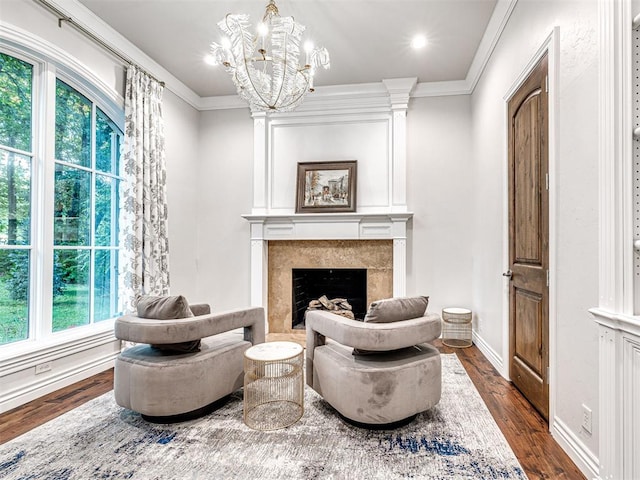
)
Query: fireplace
[
  {"x": 375, "y": 242},
  {"x": 312, "y": 283},
  {"x": 374, "y": 258}
]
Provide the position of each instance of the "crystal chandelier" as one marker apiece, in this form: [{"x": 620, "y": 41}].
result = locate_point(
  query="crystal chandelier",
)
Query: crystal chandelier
[{"x": 264, "y": 65}]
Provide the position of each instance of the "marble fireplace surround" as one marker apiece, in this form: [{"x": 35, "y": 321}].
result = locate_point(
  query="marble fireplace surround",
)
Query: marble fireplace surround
[
  {"x": 374, "y": 255},
  {"x": 377, "y": 242}
]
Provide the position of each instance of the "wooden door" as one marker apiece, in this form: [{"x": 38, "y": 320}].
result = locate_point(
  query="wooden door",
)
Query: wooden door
[{"x": 529, "y": 239}]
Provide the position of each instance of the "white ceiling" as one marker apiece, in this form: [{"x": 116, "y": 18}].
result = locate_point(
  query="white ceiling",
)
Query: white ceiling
[{"x": 368, "y": 40}]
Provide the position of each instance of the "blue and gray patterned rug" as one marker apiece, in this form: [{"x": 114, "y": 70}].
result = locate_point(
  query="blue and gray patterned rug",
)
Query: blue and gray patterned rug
[{"x": 457, "y": 439}]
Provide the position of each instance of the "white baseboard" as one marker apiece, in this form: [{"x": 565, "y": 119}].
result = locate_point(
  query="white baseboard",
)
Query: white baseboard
[
  {"x": 489, "y": 353},
  {"x": 34, "y": 390},
  {"x": 584, "y": 459}
]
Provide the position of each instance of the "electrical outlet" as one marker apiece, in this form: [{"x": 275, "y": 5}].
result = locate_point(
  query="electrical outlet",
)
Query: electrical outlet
[
  {"x": 586, "y": 418},
  {"x": 43, "y": 367}
]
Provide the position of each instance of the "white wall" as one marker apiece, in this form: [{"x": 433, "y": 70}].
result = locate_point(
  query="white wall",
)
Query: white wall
[
  {"x": 439, "y": 190},
  {"x": 574, "y": 188},
  {"x": 225, "y": 186},
  {"x": 183, "y": 163}
]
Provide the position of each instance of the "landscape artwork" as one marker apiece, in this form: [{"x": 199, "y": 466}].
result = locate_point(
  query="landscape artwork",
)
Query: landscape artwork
[{"x": 326, "y": 187}]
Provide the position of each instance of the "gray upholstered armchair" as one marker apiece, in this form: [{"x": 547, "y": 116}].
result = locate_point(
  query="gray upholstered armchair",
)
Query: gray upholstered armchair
[
  {"x": 189, "y": 359},
  {"x": 380, "y": 372}
]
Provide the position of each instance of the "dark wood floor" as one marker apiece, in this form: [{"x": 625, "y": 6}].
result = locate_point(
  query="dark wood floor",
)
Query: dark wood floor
[{"x": 523, "y": 427}]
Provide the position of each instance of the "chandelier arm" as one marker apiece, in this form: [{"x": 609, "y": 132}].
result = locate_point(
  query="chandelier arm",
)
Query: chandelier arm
[
  {"x": 256, "y": 91},
  {"x": 250, "y": 77},
  {"x": 297, "y": 99},
  {"x": 284, "y": 69}
]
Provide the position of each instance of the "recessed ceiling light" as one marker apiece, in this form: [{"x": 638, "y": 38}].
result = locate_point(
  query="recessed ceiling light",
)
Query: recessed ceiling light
[
  {"x": 210, "y": 60},
  {"x": 418, "y": 41}
]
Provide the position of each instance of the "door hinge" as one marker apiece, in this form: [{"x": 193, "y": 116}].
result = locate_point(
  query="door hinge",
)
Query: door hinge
[
  {"x": 547, "y": 378},
  {"x": 547, "y": 278},
  {"x": 546, "y": 83},
  {"x": 546, "y": 181}
]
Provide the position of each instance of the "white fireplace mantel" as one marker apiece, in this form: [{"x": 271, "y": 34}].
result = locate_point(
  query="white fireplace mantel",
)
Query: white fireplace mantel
[{"x": 330, "y": 226}]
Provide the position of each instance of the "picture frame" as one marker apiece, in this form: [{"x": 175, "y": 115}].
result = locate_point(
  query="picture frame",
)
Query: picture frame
[{"x": 326, "y": 187}]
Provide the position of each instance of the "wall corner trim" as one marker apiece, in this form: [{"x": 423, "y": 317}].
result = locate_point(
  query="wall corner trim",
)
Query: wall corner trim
[{"x": 584, "y": 459}]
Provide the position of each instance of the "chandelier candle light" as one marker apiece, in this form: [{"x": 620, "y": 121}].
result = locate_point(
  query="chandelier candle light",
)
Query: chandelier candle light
[{"x": 264, "y": 65}]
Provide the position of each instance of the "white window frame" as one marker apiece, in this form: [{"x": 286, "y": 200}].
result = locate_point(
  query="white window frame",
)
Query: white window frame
[{"x": 49, "y": 65}]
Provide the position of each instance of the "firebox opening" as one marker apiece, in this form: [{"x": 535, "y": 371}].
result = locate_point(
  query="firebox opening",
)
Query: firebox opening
[{"x": 312, "y": 283}]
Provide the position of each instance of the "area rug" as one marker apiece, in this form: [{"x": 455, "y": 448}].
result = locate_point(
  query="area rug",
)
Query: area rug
[{"x": 457, "y": 439}]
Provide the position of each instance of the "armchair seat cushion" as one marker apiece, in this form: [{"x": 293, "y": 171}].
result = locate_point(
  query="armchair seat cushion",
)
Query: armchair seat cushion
[
  {"x": 378, "y": 388},
  {"x": 153, "y": 383}
]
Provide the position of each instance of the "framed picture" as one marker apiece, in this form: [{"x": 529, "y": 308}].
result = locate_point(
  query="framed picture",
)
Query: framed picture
[{"x": 326, "y": 187}]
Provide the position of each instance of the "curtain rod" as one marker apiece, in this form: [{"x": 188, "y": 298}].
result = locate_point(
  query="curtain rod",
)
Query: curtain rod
[{"x": 65, "y": 18}]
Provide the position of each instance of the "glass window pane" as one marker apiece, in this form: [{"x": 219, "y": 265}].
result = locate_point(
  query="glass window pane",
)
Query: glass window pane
[
  {"x": 73, "y": 126},
  {"x": 107, "y": 144},
  {"x": 15, "y": 198},
  {"x": 71, "y": 274},
  {"x": 72, "y": 212},
  {"x": 14, "y": 295},
  {"x": 106, "y": 211},
  {"x": 15, "y": 103},
  {"x": 105, "y": 300}
]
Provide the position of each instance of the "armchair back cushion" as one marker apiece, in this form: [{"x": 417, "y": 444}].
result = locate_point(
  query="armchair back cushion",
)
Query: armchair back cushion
[
  {"x": 163, "y": 308},
  {"x": 396, "y": 309},
  {"x": 168, "y": 308}
]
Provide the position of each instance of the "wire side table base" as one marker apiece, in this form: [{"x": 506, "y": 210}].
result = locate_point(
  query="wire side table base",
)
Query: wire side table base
[
  {"x": 457, "y": 327},
  {"x": 273, "y": 385}
]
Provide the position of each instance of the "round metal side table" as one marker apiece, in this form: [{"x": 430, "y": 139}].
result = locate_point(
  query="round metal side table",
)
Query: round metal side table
[
  {"x": 456, "y": 327},
  {"x": 273, "y": 385}
]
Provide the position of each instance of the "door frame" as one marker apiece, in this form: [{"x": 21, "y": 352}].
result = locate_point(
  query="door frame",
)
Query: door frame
[{"x": 550, "y": 46}]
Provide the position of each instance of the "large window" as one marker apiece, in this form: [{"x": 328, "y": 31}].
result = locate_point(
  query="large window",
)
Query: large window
[{"x": 59, "y": 193}]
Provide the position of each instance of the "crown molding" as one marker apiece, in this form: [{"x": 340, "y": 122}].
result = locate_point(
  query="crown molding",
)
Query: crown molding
[
  {"x": 323, "y": 97},
  {"x": 440, "y": 89},
  {"x": 495, "y": 27}
]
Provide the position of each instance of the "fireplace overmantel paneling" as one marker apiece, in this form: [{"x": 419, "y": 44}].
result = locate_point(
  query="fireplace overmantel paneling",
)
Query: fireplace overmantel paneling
[{"x": 374, "y": 137}]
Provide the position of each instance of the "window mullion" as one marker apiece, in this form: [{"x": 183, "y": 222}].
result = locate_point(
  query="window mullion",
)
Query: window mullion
[
  {"x": 115, "y": 220},
  {"x": 92, "y": 236},
  {"x": 44, "y": 205}
]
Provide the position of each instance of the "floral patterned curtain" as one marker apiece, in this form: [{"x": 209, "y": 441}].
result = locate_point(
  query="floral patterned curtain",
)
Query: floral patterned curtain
[{"x": 144, "y": 253}]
